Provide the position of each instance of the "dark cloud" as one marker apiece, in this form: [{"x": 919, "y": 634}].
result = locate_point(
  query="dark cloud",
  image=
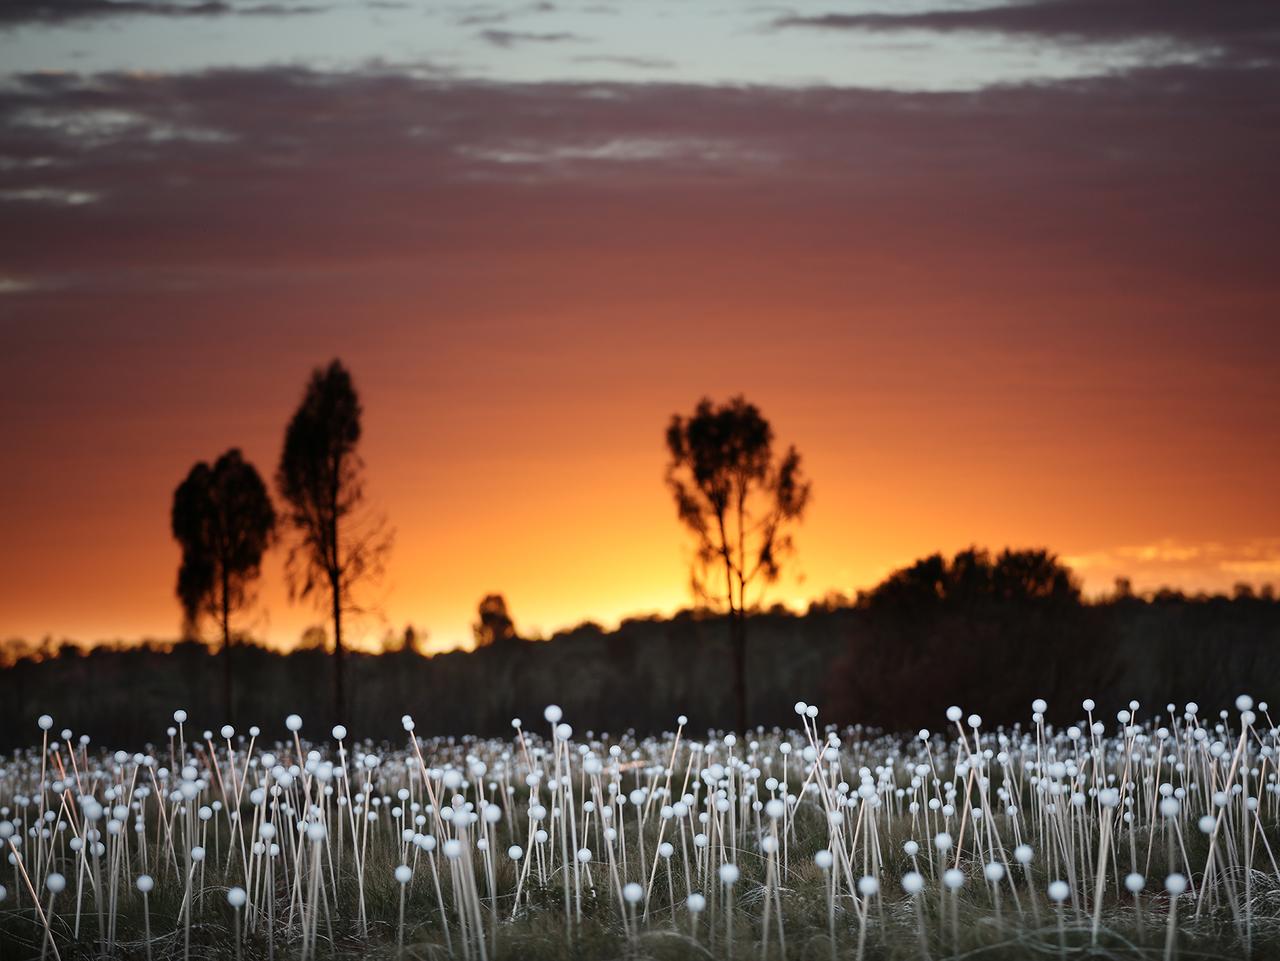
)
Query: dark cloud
[
  {"x": 489, "y": 15},
  {"x": 1240, "y": 24},
  {"x": 14, "y": 12},
  {"x": 510, "y": 38},
  {"x": 279, "y": 10},
  {"x": 1159, "y": 179},
  {"x": 483, "y": 18},
  {"x": 622, "y": 60}
]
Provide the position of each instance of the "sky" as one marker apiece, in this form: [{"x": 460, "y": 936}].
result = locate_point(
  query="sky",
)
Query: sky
[{"x": 1005, "y": 274}]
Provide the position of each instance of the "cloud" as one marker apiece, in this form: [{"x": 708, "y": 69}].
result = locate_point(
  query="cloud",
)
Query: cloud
[
  {"x": 483, "y": 18},
  {"x": 622, "y": 60},
  {"x": 1240, "y": 24},
  {"x": 16, "y": 285},
  {"x": 279, "y": 10},
  {"x": 567, "y": 158},
  {"x": 488, "y": 15},
  {"x": 1264, "y": 568},
  {"x": 15, "y": 12},
  {"x": 49, "y": 195},
  {"x": 1170, "y": 562},
  {"x": 95, "y": 126},
  {"x": 511, "y": 38}
]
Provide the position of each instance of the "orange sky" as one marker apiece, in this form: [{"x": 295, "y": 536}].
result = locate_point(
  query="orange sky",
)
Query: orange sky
[
  {"x": 1019, "y": 317},
  {"x": 534, "y": 468}
]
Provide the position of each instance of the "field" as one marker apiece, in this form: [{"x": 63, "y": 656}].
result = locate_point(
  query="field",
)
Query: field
[{"x": 1130, "y": 835}]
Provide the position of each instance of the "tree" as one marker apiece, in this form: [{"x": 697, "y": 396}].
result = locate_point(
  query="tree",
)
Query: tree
[
  {"x": 495, "y": 627},
  {"x": 321, "y": 480},
  {"x": 313, "y": 639},
  {"x": 1033, "y": 574},
  {"x": 411, "y": 640},
  {"x": 223, "y": 518},
  {"x": 973, "y": 577},
  {"x": 1016, "y": 616},
  {"x": 417, "y": 640},
  {"x": 739, "y": 501}
]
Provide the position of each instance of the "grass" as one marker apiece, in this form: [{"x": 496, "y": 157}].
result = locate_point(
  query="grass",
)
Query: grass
[{"x": 1093, "y": 804}]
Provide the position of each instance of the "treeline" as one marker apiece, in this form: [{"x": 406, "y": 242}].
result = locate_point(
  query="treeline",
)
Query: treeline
[{"x": 940, "y": 632}]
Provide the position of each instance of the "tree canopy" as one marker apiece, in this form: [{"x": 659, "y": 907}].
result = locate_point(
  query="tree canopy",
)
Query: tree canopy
[{"x": 224, "y": 521}]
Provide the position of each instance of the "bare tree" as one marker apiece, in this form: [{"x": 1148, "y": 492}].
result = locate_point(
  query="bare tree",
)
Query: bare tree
[
  {"x": 223, "y": 518},
  {"x": 321, "y": 479},
  {"x": 739, "y": 501}
]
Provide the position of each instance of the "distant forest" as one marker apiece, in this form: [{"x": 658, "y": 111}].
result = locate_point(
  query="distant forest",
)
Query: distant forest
[{"x": 987, "y": 632}]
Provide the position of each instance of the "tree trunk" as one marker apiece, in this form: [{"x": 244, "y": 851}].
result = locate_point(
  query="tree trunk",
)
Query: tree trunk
[
  {"x": 738, "y": 638},
  {"x": 339, "y": 694},
  {"x": 226, "y": 654}
]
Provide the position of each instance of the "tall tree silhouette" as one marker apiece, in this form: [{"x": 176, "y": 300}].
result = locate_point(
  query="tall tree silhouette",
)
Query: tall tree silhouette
[
  {"x": 223, "y": 518},
  {"x": 738, "y": 500},
  {"x": 321, "y": 479},
  {"x": 495, "y": 626}
]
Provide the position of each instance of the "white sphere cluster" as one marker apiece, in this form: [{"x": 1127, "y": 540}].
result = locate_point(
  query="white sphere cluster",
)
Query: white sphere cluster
[{"x": 887, "y": 836}]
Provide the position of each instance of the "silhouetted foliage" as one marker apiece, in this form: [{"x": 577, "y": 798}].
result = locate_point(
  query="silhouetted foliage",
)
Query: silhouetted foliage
[
  {"x": 494, "y": 626},
  {"x": 1012, "y": 626},
  {"x": 409, "y": 639},
  {"x": 321, "y": 479},
  {"x": 993, "y": 657},
  {"x": 313, "y": 638},
  {"x": 738, "y": 500},
  {"x": 973, "y": 577},
  {"x": 223, "y": 519}
]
